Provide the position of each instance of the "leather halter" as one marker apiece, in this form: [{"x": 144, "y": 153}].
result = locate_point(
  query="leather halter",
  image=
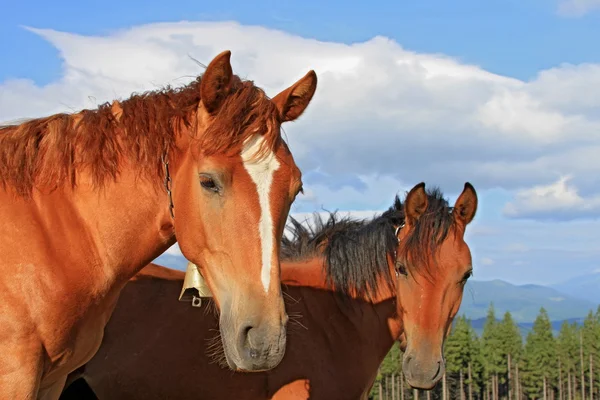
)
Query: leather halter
[
  {"x": 396, "y": 232},
  {"x": 167, "y": 183}
]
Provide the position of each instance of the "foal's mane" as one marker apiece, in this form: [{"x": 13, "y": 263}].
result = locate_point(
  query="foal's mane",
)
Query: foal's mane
[
  {"x": 356, "y": 251},
  {"x": 48, "y": 152}
]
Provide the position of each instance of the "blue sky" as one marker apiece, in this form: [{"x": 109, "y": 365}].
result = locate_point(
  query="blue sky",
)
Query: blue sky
[
  {"x": 499, "y": 93},
  {"x": 510, "y": 37}
]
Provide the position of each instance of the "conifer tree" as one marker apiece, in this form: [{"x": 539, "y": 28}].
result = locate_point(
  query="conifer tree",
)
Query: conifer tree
[
  {"x": 510, "y": 348},
  {"x": 568, "y": 354},
  {"x": 461, "y": 352},
  {"x": 591, "y": 347},
  {"x": 540, "y": 366},
  {"x": 491, "y": 345},
  {"x": 390, "y": 366}
]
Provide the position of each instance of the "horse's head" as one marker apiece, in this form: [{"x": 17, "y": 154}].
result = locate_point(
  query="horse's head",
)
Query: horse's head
[
  {"x": 433, "y": 263},
  {"x": 234, "y": 180}
]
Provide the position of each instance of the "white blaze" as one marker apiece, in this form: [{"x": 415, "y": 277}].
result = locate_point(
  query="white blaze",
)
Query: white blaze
[{"x": 261, "y": 171}]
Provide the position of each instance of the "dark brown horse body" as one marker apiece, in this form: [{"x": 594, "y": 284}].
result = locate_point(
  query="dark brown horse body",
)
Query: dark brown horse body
[
  {"x": 153, "y": 349},
  {"x": 341, "y": 284}
]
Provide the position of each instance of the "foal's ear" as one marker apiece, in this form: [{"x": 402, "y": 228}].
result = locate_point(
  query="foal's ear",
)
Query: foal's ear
[
  {"x": 466, "y": 204},
  {"x": 415, "y": 203},
  {"x": 292, "y": 102},
  {"x": 215, "y": 82}
]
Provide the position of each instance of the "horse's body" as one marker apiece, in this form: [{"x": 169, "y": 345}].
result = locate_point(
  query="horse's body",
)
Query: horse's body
[
  {"x": 83, "y": 209},
  {"x": 155, "y": 348},
  {"x": 340, "y": 285}
]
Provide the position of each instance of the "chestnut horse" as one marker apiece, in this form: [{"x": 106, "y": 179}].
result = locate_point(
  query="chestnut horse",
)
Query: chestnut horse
[
  {"x": 352, "y": 288},
  {"x": 83, "y": 209}
]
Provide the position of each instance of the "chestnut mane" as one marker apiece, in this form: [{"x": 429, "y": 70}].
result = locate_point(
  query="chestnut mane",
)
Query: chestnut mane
[{"x": 48, "y": 152}]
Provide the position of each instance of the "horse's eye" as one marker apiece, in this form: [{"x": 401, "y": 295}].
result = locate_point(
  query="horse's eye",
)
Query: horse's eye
[
  {"x": 209, "y": 184},
  {"x": 466, "y": 276},
  {"x": 401, "y": 269}
]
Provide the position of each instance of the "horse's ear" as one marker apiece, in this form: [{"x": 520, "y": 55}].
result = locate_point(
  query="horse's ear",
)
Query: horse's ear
[
  {"x": 415, "y": 203},
  {"x": 216, "y": 81},
  {"x": 466, "y": 204},
  {"x": 292, "y": 102}
]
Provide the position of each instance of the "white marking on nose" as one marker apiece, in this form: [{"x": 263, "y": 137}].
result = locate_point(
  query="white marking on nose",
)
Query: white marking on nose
[{"x": 261, "y": 171}]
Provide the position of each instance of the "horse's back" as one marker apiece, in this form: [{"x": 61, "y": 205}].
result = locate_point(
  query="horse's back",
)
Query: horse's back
[{"x": 154, "y": 271}]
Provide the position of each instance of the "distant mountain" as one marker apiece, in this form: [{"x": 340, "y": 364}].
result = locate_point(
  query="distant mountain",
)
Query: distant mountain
[
  {"x": 585, "y": 287},
  {"x": 523, "y": 301}
]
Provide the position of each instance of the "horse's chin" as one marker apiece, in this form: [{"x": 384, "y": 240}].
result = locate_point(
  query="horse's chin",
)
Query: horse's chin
[
  {"x": 229, "y": 362},
  {"x": 231, "y": 365}
]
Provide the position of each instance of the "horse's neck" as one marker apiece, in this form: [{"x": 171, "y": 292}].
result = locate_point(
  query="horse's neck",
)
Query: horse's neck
[
  {"x": 334, "y": 325},
  {"x": 311, "y": 273},
  {"x": 128, "y": 221}
]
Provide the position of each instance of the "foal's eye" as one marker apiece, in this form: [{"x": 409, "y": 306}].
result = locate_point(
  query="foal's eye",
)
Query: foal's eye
[{"x": 209, "y": 184}]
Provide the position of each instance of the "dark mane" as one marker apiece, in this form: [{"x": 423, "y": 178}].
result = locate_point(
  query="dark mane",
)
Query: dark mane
[
  {"x": 356, "y": 251},
  {"x": 431, "y": 230},
  {"x": 47, "y": 152}
]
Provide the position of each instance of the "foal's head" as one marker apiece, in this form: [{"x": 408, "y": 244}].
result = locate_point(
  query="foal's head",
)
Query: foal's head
[
  {"x": 432, "y": 263},
  {"x": 234, "y": 180}
]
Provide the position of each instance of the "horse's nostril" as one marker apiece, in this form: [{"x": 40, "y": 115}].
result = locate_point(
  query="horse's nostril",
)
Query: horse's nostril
[
  {"x": 253, "y": 353},
  {"x": 437, "y": 371},
  {"x": 246, "y": 330},
  {"x": 244, "y": 337}
]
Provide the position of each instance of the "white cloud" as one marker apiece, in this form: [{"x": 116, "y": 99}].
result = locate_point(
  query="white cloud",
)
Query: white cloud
[
  {"x": 371, "y": 192},
  {"x": 554, "y": 201},
  {"x": 174, "y": 250},
  {"x": 577, "y": 8},
  {"x": 567, "y": 87},
  {"x": 383, "y": 118},
  {"x": 487, "y": 261},
  {"x": 517, "y": 113}
]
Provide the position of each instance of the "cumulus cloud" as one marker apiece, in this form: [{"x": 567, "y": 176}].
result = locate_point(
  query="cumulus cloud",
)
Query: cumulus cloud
[
  {"x": 174, "y": 251},
  {"x": 555, "y": 201},
  {"x": 577, "y": 8},
  {"x": 383, "y": 119},
  {"x": 371, "y": 192},
  {"x": 486, "y": 261}
]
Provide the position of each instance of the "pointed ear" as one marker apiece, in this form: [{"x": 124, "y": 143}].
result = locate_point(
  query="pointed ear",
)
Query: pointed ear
[
  {"x": 415, "y": 203},
  {"x": 215, "y": 82},
  {"x": 466, "y": 204},
  {"x": 292, "y": 102}
]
